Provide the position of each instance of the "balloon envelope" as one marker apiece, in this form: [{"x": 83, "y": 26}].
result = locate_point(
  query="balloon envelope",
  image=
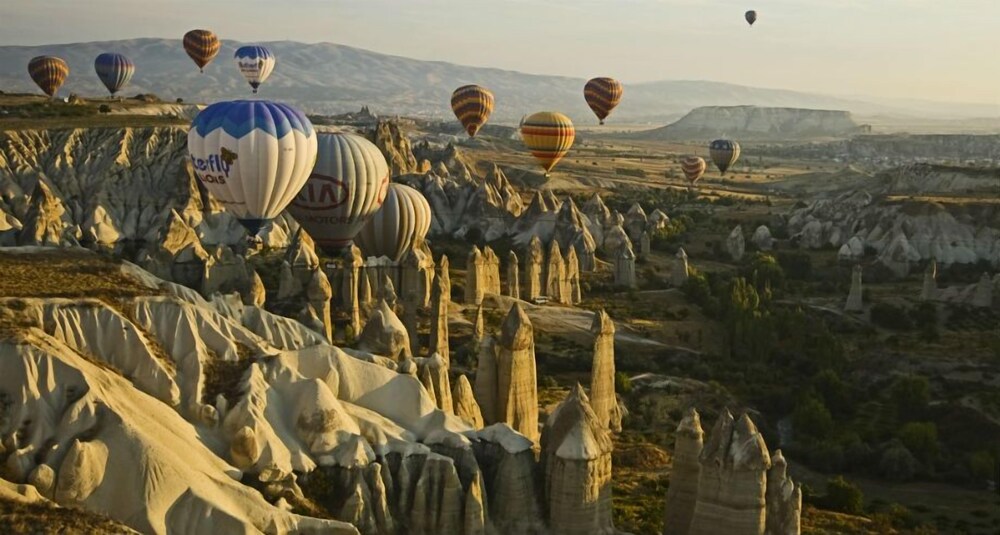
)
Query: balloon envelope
[
  {"x": 114, "y": 70},
  {"x": 348, "y": 185},
  {"x": 202, "y": 46},
  {"x": 255, "y": 63},
  {"x": 49, "y": 72},
  {"x": 602, "y": 95},
  {"x": 399, "y": 226},
  {"x": 751, "y": 17},
  {"x": 693, "y": 168},
  {"x": 724, "y": 153},
  {"x": 253, "y": 156},
  {"x": 549, "y": 136},
  {"x": 472, "y": 105}
]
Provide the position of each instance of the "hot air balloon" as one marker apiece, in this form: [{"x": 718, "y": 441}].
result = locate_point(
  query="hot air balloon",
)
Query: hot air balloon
[
  {"x": 602, "y": 95},
  {"x": 724, "y": 153},
  {"x": 49, "y": 72},
  {"x": 549, "y": 136},
  {"x": 399, "y": 226},
  {"x": 202, "y": 46},
  {"x": 693, "y": 167},
  {"x": 114, "y": 70},
  {"x": 473, "y": 105},
  {"x": 348, "y": 185},
  {"x": 255, "y": 63},
  {"x": 253, "y": 156},
  {"x": 751, "y": 17}
]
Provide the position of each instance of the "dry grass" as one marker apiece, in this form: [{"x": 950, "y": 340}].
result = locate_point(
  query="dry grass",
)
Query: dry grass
[
  {"x": 67, "y": 274},
  {"x": 16, "y": 517}
]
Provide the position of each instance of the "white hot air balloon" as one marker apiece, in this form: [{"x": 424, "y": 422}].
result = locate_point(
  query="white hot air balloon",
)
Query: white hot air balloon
[
  {"x": 348, "y": 185},
  {"x": 253, "y": 156},
  {"x": 399, "y": 226},
  {"x": 255, "y": 63}
]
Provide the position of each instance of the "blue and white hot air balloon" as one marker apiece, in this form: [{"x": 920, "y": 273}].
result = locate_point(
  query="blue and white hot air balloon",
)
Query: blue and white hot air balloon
[
  {"x": 255, "y": 63},
  {"x": 348, "y": 185},
  {"x": 114, "y": 70},
  {"x": 253, "y": 156}
]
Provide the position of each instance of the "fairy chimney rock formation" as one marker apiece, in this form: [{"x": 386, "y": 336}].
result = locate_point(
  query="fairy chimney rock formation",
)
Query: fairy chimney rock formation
[
  {"x": 573, "y": 278},
  {"x": 576, "y": 454},
  {"x": 644, "y": 247},
  {"x": 855, "y": 299},
  {"x": 784, "y": 499},
  {"x": 491, "y": 272},
  {"x": 439, "y": 320},
  {"x": 437, "y": 370},
  {"x": 679, "y": 276},
  {"x": 411, "y": 322},
  {"x": 289, "y": 286},
  {"x": 513, "y": 276},
  {"x": 256, "y": 294},
  {"x": 762, "y": 238},
  {"x": 929, "y": 290},
  {"x": 534, "y": 263},
  {"x": 602, "y": 374},
  {"x": 517, "y": 388},
  {"x": 444, "y": 271},
  {"x": 465, "y": 404},
  {"x": 478, "y": 326},
  {"x": 735, "y": 244},
  {"x": 733, "y": 480},
  {"x": 555, "y": 274},
  {"x": 475, "y": 285},
  {"x": 319, "y": 292},
  {"x": 625, "y": 268},
  {"x": 384, "y": 334},
  {"x": 486, "y": 380},
  {"x": 388, "y": 292},
  {"x": 683, "y": 491}
]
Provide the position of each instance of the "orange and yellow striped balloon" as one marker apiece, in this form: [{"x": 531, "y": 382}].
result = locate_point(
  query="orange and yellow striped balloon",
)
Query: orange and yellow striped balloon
[
  {"x": 693, "y": 167},
  {"x": 202, "y": 46},
  {"x": 602, "y": 95},
  {"x": 549, "y": 136},
  {"x": 473, "y": 105},
  {"x": 49, "y": 72}
]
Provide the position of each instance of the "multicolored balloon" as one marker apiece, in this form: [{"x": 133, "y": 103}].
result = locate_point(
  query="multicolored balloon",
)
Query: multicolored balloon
[
  {"x": 693, "y": 168},
  {"x": 255, "y": 63},
  {"x": 473, "y": 105},
  {"x": 49, "y": 72},
  {"x": 751, "y": 17},
  {"x": 348, "y": 185},
  {"x": 399, "y": 226},
  {"x": 548, "y": 135},
  {"x": 114, "y": 70},
  {"x": 202, "y": 46},
  {"x": 724, "y": 153},
  {"x": 602, "y": 95},
  {"x": 253, "y": 156}
]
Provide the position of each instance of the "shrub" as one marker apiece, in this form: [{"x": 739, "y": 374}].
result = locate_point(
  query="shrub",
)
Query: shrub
[
  {"x": 921, "y": 438},
  {"x": 844, "y": 496},
  {"x": 897, "y": 463},
  {"x": 797, "y": 265},
  {"x": 910, "y": 395},
  {"x": 104, "y": 108},
  {"x": 891, "y": 317},
  {"x": 623, "y": 385},
  {"x": 812, "y": 419}
]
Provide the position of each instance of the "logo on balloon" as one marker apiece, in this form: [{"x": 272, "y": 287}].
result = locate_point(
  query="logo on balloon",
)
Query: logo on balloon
[{"x": 321, "y": 193}]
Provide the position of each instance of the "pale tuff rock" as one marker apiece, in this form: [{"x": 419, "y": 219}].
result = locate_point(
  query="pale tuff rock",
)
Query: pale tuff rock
[
  {"x": 513, "y": 285},
  {"x": 899, "y": 256},
  {"x": 366, "y": 289},
  {"x": 680, "y": 273},
  {"x": 602, "y": 374},
  {"x": 811, "y": 235},
  {"x": 417, "y": 275},
  {"x": 225, "y": 271},
  {"x": 983, "y": 296},
  {"x": 784, "y": 500},
  {"x": 534, "y": 263},
  {"x": 100, "y": 228},
  {"x": 384, "y": 334},
  {"x": 352, "y": 262},
  {"x": 572, "y": 231},
  {"x": 411, "y": 322},
  {"x": 855, "y": 299},
  {"x": 576, "y": 452},
  {"x": 851, "y": 251},
  {"x": 735, "y": 244},
  {"x": 536, "y": 219},
  {"x": 625, "y": 268},
  {"x": 683, "y": 492},
  {"x": 514, "y": 501},
  {"x": 9, "y": 228},
  {"x": 555, "y": 276},
  {"x": 465, "y": 404},
  {"x": 733, "y": 480},
  {"x": 486, "y": 380},
  {"x": 319, "y": 292},
  {"x": 516, "y": 385},
  {"x": 301, "y": 253},
  {"x": 762, "y": 238},
  {"x": 478, "y": 326},
  {"x": 444, "y": 271},
  {"x": 491, "y": 272},
  {"x": 475, "y": 283},
  {"x": 289, "y": 287},
  {"x": 437, "y": 370},
  {"x": 387, "y": 292},
  {"x": 657, "y": 220},
  {"x": 615, "y": 238},
  {"x": 573, "y": 277},
  {"x": 598, "y": 217},
  {"x": 635, "y": 222},
  {"x": 395, "y": 146},
  {"x": 46, "y": 221},
  {"x": 644, "y": 246},
  {"x": 439, "y": 320},
  {"x": 929, "y": 290},
  {"x": 424, "y": 374}
]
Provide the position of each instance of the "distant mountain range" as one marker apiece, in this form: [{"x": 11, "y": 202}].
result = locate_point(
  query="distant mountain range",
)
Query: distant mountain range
[{"x": 328, "y": 78}]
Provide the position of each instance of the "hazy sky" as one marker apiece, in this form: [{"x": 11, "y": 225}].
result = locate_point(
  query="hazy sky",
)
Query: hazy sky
[{"x": 931, "y": 49}]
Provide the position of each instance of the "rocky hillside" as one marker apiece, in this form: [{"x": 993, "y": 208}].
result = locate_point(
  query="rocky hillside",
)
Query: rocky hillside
[
  {"x": 756, "y": 123},
  {"x": 330, "y": 78},
  {"x": 889, "y": 150}
]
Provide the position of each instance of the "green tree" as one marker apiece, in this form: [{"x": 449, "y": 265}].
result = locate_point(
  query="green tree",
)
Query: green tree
[
  {"x": 844, "y": 496},
  {"x": 921, "y": 438},
  {"x": 910, "y": 395},
  {"x": 765, "y": 272},
  {"x": 812, "y": 419},
  {"x": 897, "y": 463}
]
